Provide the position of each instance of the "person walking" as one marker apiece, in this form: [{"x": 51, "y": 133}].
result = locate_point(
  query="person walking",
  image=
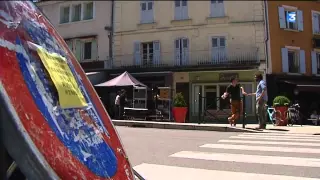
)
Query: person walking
[
  {"x": 236, "y": 104},
  {"x": 261, "y": 100}
]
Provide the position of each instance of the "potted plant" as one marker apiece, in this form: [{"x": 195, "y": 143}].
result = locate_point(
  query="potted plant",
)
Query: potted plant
[
  {"x": 180, "y": 108},
  {"x": 281, "y": 103}
]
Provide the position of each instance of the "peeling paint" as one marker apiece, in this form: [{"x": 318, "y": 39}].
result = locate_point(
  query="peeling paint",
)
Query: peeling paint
[{"x": 78, "y": 143}]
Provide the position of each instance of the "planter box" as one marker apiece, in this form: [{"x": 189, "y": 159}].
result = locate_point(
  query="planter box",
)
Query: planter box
[{"x": 179, "y": 114}]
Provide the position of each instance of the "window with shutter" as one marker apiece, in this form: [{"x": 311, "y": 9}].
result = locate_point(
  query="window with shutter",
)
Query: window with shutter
[
  {"x": 146, "y": 15},
  {"x": 217, "y": 8},
  {"x": 64, "y": 14},
  {"x": 293, "y": 61},
  {"x": 181, "y": 9},
  {"x": 290, "y": 18},
  {"x": 147, "y": 53},
  {"x": 316, "y": 22},
  {"x": 76, "y": 12},
  {"x": 88, "y": 11}
]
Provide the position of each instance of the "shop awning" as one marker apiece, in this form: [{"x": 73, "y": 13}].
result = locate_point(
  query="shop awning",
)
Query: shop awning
[
  {"x": 125, "y": 79},
  {"x": 305, "y": 85}
]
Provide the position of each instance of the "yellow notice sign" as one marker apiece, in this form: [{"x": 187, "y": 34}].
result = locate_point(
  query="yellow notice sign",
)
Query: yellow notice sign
[{"x": 70, "y": 95}]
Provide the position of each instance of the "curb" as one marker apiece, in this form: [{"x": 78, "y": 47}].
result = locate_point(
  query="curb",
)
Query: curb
[{"x": 187, "y": 126}]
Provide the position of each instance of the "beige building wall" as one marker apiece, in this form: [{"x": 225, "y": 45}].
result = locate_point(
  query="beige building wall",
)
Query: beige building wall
[
  {"x": 95, "y": 26},
  {"x": 242, "y": 26}
]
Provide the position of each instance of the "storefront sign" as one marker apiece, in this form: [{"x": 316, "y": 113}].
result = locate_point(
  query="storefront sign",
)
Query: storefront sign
[
  {"x": 70, "y": 95},
  {"x": 164, "y": 93},
  {"x": 225, "y": 77}
]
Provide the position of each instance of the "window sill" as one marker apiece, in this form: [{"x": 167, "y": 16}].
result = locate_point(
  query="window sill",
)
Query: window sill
[
  {"x": 316, "y": 34},
  {"x": 292, "y": 30},
  {"x": 76, "y": 22},
  {"x": 181, "y": 22},
  {"x": 150, "y": 25},
  {"x": 217, "y": 20}
]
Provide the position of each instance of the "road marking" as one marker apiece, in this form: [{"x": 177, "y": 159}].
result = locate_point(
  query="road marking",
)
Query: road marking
[
  {"x": 243, "y": 158},
  {"x": 273, "y": 143},
  {"x": 261, "y": 148},
  {"x": 275, "y": 138},
  {"x": 282, "y": 134},
  {"x": 161, "y": 172}
]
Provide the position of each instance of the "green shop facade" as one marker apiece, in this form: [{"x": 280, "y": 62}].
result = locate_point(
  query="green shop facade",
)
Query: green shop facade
[{"x": 211, "y": 85}]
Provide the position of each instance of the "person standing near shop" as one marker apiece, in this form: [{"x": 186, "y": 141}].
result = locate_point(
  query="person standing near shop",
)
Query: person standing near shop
[
  {"x": 123, "y": 100},
  {"x": 236, "y": 104},
  {"x": 117, "y": 105},
  {"x": 261, "y": 100}
]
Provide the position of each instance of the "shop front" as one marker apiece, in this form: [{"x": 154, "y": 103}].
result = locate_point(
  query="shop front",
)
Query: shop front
[
  {"x": 304, "y": 90},
  {"x": 211, "y": 86}
]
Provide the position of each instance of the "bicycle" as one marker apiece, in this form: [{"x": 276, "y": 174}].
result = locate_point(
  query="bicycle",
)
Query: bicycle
[
  {"x": 293, "y": 115},
  {"x": 273, "y": 115}
]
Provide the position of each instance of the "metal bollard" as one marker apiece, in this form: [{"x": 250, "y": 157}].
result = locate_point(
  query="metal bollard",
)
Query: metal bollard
[
  {"x": 199, "y": 107},
  {"x": 243, "y": 111}
]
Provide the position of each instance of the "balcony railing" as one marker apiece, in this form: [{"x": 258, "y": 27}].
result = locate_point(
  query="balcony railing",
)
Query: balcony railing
[{"x": 216, "y": 57}]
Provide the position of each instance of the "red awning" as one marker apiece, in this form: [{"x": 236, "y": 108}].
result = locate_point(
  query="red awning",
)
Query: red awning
[{"x": 125, "y": 79}]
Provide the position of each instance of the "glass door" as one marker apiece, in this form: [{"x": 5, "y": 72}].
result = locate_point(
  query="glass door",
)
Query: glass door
[{"x": 210, "y": 99}]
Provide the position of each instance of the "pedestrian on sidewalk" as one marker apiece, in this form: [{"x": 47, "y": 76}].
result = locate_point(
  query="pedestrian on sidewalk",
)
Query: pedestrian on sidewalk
[
  {"x": 261, "y": 100},
  {"x": 117, "y": 105},
  {"x": 236, "y": 103},
  {"x": 123, "y": 101}
]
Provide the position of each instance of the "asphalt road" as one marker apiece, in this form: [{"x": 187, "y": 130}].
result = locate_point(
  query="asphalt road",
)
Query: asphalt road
[{"x": 176, "y": 154}]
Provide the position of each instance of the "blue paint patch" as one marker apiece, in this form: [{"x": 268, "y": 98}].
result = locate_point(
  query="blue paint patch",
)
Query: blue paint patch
[{"x": 77, "y": 134}]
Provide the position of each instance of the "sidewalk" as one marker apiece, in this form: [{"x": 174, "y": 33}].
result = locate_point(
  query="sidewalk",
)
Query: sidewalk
[{"x": 219, "y": 127}]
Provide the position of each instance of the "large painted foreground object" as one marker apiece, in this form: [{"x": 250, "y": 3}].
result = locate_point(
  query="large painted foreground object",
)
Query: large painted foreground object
[{"x": 53, "y": 123}]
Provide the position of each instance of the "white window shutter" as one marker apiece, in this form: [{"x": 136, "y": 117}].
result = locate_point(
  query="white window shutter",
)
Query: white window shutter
[
  {"x": 302, "y": 61},
  {"x": 314, "y": 63},
  {"x": 137, "y": 53},
  {"x": 315, "y": 23},
  {"x": 156, "y": 53},
  {"x": 177, "y": 54},
  {"x": 300, "y": 20},
  {"x": 282, "y": 17},
  {"x": 94, "y": 50},
  {"x": 285, "y": 63},
  {"x": 184, "y": 12},
  {"x": 178, "y": 10}
]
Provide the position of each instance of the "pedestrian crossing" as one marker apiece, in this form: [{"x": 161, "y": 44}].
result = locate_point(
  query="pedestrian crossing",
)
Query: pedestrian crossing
[{"x": 297, "y": 146}]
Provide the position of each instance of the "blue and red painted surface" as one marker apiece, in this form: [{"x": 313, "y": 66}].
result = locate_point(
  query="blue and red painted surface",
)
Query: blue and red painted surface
[{"x": 77, "y": 143}]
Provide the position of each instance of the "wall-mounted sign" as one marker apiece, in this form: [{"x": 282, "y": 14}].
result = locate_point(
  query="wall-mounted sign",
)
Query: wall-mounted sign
[
  {"x": 224, "y": 77},
  {"x": 164, "y": 93},
  {"x": 291, "y": 16}
]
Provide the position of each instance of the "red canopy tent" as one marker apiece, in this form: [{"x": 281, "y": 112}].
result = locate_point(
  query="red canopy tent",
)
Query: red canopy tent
[{"x": 125, "y": 79}]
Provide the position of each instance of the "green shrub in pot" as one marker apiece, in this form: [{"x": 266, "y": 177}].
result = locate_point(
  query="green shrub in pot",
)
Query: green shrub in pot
[{"x": 281, "y": 101}]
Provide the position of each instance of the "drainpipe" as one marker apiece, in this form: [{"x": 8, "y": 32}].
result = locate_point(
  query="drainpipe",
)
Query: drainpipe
[
  {"x": 266, "y": 28},
  {"x": 266, "y": 40},
  {"x": 110, "y": 30}
]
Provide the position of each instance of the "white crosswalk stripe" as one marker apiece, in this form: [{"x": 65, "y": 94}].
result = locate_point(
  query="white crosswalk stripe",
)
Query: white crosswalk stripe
[
  {"x": 261, "y": 148},
  {"x": 275, "y": 138},
  {"x": 246, "y": 144}
]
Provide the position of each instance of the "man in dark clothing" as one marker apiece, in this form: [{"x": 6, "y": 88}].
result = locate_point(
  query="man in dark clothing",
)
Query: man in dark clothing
[
  {"x": 123, "y": 98},
  {"x": 236, "y": 104}
]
